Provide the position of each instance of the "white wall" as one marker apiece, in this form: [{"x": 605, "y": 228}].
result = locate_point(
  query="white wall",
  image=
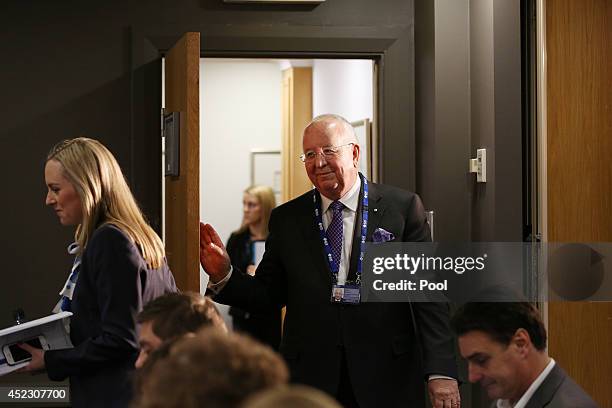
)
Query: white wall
[
  {"x": 343, "y": 87},
  {"x": 240, "y": 110}
]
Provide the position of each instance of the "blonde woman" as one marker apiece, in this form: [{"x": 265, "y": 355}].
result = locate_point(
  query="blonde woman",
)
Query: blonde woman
[
  {"x": 257, "y": 204},
  {"x": 119, "y": 266}
]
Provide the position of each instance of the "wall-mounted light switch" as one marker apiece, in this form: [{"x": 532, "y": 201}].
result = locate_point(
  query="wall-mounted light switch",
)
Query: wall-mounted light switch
[{"x": 479, "y": 165}]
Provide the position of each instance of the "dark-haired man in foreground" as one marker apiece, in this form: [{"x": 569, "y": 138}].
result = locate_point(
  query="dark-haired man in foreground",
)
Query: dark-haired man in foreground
[
  {"x": 171, "y": 316},
  {"x": 505, "y": 346}
]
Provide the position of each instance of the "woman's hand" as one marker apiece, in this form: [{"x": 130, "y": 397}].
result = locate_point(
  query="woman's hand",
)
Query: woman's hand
[{"x": 38, "y": 359}]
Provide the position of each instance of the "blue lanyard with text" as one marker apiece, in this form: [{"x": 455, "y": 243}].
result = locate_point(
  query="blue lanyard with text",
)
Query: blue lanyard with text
[{"x": 334, "y": 264}]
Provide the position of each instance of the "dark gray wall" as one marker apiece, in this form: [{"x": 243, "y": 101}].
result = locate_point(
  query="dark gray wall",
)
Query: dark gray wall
[
  {"x": 468, "y": 96},
  {"x": 442, "y": 118},
  {"x": 496, "y": 118}
]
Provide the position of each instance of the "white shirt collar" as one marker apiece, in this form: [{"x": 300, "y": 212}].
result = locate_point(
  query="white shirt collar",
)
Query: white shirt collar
[
  {"x": 521, "y": 403},
  {"x": 350, "y": 199}
]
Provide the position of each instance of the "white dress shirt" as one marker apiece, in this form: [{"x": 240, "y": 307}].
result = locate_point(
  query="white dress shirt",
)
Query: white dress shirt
[{"x": 521, "y": 403}]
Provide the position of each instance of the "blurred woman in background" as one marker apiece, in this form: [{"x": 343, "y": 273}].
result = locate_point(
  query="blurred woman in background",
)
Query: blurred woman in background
[{"x": 243, "y": 247}]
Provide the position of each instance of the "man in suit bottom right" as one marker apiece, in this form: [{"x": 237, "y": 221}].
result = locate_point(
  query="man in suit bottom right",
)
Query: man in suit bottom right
[{"x": 505, "y": 347}]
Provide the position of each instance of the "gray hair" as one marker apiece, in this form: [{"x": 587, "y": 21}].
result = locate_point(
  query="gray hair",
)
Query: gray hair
[{"x": 324, "y": 120}]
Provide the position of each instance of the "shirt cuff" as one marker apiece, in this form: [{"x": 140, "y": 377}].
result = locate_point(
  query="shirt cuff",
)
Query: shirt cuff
[
  {"x": 439, "y": 377},
  {"x": 218, "y": 287}
]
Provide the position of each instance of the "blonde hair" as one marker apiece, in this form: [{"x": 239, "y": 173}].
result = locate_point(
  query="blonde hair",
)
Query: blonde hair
[
  {"x": 105, "y": 196},
  {"x": 267, "y": 201}
]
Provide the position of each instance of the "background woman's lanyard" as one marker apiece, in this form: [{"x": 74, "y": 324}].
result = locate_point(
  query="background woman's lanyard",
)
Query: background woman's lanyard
[{"x": 334, "y": 264}]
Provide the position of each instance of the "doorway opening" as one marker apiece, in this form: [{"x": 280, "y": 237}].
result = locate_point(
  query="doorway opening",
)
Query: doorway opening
[{"x": 241, "y": 123}]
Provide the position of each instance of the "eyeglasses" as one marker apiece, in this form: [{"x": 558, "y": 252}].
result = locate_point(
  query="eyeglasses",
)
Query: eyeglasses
[{"x": 329, "y": 153}]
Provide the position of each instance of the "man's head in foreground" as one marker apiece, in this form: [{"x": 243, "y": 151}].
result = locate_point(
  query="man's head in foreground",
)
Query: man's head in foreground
[
  {"x": 211, "y": 369},
  {"x": 504, "y": 344},
  {"x": 173, "y": 315}
]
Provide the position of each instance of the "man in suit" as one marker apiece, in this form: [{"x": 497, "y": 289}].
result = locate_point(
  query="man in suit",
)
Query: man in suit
[
  {"x": 365, "y": 354},
  {"x": 505, "y": 346}
]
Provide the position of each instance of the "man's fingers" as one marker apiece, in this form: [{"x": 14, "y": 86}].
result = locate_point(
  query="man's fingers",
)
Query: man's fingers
[
  {"x": 214, "y": 237},
  {"x": 204, "y": 235},
  {"x": 446, "y": 402},
  {"x": 209, "y": 235},
  {"x": 216, "y": 249},
  {"x": 444, "y": 393}
]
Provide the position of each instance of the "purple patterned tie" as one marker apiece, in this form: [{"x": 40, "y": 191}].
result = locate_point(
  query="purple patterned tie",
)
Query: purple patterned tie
[{"x": 334, "y": 232}]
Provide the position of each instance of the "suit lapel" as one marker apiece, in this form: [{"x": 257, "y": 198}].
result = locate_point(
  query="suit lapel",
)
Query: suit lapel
[
  {"x": 546, "y": 391},
  {"x": 375, "y": 211},
  {"x": 356, "y": 244},
  {"x": 312, "y": 239}
]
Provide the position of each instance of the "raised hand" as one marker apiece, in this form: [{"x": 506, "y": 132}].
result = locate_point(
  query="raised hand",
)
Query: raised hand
[{"x": 213, "y": 256}]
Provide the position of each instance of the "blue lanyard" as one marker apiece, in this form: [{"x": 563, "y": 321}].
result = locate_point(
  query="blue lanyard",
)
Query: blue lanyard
[{"x": 334, "y": 264}]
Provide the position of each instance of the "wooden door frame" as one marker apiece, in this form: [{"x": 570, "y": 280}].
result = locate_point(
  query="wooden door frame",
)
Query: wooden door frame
[{"x": 182, "y": 196}]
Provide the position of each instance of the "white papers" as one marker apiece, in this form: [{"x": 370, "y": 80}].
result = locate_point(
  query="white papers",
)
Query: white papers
[{"x": 54, "y": 328}]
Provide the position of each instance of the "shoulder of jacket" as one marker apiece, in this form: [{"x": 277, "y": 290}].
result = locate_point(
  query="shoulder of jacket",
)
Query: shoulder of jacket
[
  {"x": 297, "y": 203},
  {"x": 392, "y": 192},
  {"x": 108, "y": 234}
]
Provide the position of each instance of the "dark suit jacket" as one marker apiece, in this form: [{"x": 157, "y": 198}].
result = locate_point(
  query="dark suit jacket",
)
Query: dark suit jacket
[
  {"x": 386, "y": 366},
  {"x": 559, "y": 391},
  {"x": 114, "y": 283},
  {"x": 264, "y": 326}
]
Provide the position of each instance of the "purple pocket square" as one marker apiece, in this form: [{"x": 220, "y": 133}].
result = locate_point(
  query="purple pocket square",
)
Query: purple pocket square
[{"x": 382, "y": 235}]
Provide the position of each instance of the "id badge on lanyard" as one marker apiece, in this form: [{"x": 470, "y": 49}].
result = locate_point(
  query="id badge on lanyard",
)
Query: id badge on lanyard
[{"x": 346, "y": 294}]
